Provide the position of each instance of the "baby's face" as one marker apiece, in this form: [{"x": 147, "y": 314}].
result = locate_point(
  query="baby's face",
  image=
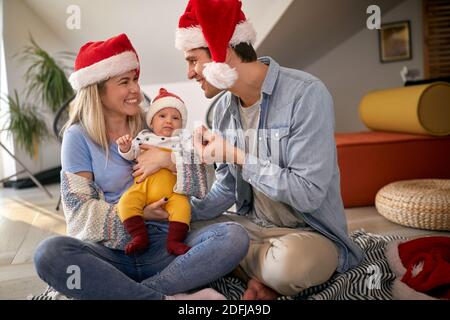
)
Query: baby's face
[{"x": 166, "y": 121}]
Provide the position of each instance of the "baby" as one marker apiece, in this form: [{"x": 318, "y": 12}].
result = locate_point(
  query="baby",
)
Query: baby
[{"x": 166, "y": 114}]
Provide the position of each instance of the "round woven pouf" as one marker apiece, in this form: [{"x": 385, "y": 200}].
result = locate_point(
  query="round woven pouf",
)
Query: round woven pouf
[{"x": 423, "y": 204}]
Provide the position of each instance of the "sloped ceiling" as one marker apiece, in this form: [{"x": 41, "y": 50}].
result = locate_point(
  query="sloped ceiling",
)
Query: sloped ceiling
[{"x": 309, "y": 29}]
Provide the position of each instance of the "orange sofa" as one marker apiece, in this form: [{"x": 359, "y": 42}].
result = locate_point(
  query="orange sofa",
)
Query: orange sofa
[{"x": 370, "y": 160}]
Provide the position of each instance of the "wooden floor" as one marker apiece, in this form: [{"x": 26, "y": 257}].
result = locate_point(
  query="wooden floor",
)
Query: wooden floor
[{"x": 28, "y": 216}]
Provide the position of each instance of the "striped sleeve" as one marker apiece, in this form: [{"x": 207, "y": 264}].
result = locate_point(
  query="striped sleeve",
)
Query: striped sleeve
[{"x": 88, "y": 216}]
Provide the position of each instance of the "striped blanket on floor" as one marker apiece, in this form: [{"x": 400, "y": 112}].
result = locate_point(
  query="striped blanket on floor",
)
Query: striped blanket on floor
[{"x": 372, "y": 280}]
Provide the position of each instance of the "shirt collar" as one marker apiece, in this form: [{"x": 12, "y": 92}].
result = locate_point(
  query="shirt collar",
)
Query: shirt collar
[
  {"x": 267, "y": 87},
  {"x": 271, "y": 76}
]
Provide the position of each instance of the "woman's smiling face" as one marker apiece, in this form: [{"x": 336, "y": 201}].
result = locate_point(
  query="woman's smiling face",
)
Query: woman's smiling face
[{"x": 122, "y": 94}]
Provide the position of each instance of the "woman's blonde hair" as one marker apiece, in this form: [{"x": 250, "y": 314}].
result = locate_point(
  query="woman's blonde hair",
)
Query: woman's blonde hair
[{"x": 87, "y": 110}]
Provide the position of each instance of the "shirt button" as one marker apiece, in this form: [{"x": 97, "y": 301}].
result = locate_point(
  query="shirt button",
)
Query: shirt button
[
  {"x": 276, "y": 135},
  {"x": 260, "y": 138},
  {"x": 249, "y": 180}
]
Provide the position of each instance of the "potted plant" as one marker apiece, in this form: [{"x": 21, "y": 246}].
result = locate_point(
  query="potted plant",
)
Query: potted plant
[
  {"x": 47, "y": 84},
  {"x": 46, "y": 76},
  {"x": 25, "y": 123}
]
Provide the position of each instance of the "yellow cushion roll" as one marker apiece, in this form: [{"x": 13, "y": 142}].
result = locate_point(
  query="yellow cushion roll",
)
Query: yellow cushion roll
[{"x": 421, "y": 109}]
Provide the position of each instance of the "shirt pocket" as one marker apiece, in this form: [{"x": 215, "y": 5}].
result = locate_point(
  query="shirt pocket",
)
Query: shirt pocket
[{"x": 277, "y": 139}]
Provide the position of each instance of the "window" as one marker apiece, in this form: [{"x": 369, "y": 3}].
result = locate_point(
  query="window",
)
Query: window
[{"x": 436, "y": 22}]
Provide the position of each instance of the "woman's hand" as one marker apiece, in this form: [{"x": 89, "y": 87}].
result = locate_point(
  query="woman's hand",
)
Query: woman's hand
[
  {"x": 155, "y": 211},
  {"x": 151, "y": 161}
]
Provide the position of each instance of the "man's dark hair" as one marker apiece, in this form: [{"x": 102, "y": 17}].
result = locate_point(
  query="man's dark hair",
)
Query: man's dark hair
[{"x": 243, "y": 50}]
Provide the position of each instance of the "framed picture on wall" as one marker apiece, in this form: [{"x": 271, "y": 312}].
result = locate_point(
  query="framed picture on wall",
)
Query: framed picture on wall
[{"x": 395, "y": 41}]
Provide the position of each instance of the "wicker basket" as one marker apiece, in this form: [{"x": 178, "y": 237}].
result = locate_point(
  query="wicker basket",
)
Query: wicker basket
[{"x": 423, "y": 204}]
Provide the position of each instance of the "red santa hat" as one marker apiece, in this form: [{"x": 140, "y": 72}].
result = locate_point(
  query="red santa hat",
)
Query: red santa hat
[
  {"x": 216, "y": 24},
  {"x": 166, "y": 99},
  {"x": 422, "y": 267},
  {"x": 98, "y": 61}
]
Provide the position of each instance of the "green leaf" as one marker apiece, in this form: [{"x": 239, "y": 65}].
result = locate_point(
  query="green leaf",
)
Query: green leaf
[
  {"x": 25, "y": 124},
  {"x": 45, "y": 77}
]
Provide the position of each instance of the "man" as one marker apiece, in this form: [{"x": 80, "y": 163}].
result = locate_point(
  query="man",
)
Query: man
[{"x": 274, "y": 141}]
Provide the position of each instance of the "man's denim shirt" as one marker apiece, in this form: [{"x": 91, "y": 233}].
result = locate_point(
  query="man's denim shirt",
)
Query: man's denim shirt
[{"x": 297, "y": 162}]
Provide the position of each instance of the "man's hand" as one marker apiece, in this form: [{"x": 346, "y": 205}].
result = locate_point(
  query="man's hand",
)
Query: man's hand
[
  {"x": 151, "y": 161},
  {"x": 124, "y": 143},
  {"x": 212, "y": 148},
  {"x": 155, "y": 211}
]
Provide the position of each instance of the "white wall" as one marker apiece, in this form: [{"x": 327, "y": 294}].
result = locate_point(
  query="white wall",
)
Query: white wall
[
  {"x": 7, "y": 166},
  {"x": 19, "y": 21},
  {"x": 353, "y": 68},
  {"x": 2, "y": 81},
  {"x": 264, "y": 16},
  {"x": 192, "y": 95}
]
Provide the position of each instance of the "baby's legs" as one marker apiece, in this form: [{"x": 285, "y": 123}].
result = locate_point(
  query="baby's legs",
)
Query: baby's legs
[
  {"x": 133, "y": 201},
  {"x": 130, "y": 210},
  {"x": 160, "y": 185},
  {"x": 155, "y": 187},
  {"x": 179, "y": 208},
  {"x": 179, "y": 211}
]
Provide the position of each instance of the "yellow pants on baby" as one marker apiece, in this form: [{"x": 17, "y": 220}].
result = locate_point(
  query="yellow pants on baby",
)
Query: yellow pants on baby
[{"x": 155, "y": 187}]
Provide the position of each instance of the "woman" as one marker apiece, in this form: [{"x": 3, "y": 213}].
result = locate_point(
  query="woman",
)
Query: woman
[{"x": 93, "y": 178}]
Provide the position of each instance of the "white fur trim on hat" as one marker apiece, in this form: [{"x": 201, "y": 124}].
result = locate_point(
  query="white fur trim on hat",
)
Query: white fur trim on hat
[
  {"x": 167, "y": 102},
  {"x": 220, "y": 75},
  {"x": 244, "y": 32},
  {"x": 104, "y": 69},
  {"x": 191, "y": 38}
]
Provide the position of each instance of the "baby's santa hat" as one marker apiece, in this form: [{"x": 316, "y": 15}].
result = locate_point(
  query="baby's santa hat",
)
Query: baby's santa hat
[
  {"x": 166, "y": 99},
  {"x": 216, "y": 24},
  {"x": 422, "y": 267},
  {"x": 100, "y": 60}
]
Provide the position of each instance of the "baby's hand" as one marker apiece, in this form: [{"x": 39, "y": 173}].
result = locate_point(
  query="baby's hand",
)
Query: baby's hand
[{"x": 124, "y": 143}]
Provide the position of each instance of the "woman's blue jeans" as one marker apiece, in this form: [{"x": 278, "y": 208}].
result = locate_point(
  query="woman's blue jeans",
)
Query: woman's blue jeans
[{"x": 86, "y": 270}]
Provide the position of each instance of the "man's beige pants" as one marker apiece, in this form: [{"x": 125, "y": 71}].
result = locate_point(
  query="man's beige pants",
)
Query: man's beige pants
[{"x": 283, "y": 260}]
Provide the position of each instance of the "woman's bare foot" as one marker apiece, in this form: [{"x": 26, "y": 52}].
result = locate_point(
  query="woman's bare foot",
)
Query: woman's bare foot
[{"x": 258, "y": 291}]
